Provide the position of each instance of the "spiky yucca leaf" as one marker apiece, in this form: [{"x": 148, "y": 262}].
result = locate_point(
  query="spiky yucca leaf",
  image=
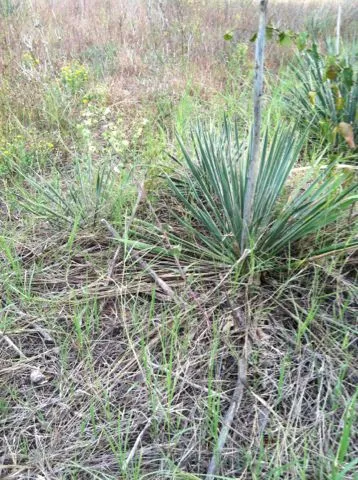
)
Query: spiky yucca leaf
[{"x": 214, "y": 188}]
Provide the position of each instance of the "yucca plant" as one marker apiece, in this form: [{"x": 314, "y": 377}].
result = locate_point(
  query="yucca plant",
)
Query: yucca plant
[
  {"x": 214, "y": 186},
  {"x": 94, "y": 191},
  {"x": 325, "y": 95}
]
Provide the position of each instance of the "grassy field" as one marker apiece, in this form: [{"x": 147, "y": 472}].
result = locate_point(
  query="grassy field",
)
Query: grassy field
[{"x": 133, "y": 319}]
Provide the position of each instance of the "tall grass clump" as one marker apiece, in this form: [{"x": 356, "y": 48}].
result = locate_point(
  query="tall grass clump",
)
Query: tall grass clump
[
  {"x": 214, "y": 185},
  {"x": 95, "y": 191}
]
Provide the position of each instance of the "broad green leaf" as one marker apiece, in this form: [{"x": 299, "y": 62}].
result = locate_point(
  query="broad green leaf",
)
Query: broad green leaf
[
  {"x": 285, "y": 39},
  {"x": 270, "y": 31},
  {"x": 253, "y": 38}
]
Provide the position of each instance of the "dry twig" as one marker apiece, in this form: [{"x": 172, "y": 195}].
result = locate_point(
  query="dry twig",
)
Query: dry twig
[
  {"x": 229, "y": 416},
  {"x": 12, "y": 345}
]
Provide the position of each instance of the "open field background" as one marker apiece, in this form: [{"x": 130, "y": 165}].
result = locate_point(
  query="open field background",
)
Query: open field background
[{"x": 119, "y": 362}]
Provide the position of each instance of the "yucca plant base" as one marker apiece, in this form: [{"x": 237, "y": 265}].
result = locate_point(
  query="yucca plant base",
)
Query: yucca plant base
[{"x": 212, "y": 192}]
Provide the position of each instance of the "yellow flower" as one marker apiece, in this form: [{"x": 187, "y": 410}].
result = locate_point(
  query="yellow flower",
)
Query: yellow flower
[{"x": 74, "y": 76}]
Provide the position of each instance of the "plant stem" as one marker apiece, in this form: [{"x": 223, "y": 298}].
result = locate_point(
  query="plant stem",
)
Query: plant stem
[
  {"x": 253, "y": 167},
  {"x": 338, "y": 28}
]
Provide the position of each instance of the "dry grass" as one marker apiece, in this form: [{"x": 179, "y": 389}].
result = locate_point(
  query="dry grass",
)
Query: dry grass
[
  {"x": 115, "y": 380},
  {"x": 147, "y": 46}
]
